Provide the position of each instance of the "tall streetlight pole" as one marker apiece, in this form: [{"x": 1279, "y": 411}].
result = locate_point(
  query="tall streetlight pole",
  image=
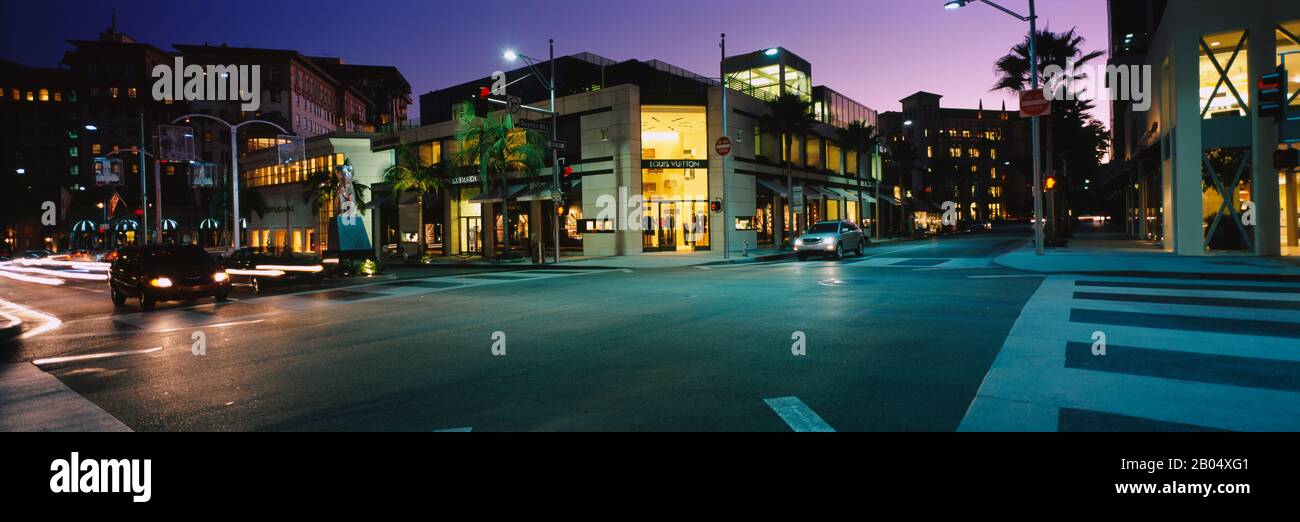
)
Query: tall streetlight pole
[
  {"x": 557, "y": 196},
  {"x": 1034, "y": 83},
  {"x": 234, "y": 164}
]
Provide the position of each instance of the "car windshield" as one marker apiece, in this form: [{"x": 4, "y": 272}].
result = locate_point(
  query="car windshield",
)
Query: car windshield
[
  {"x": 177, "y": 256},
  {"x": 824, "y": 228}
]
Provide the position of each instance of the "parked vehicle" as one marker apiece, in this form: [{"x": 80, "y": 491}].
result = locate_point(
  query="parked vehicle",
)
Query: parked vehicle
[
  {"x": 830, "y": 239},
  {"x": 260, "y": 271},
  {"x": 159, "y": 273},
  {"x": 37, "y": 254}
]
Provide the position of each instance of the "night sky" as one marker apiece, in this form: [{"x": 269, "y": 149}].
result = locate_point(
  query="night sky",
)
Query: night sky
[{"x": 876, "y": 51}]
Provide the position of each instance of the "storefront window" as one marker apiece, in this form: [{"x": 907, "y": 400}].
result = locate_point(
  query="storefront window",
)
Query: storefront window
[
  {"x": 833, "y": 162},
  {"x": 675, "y": 199},
  {"x": 813, "y": 151},
  {"x": 1288, "y": 52},
  {"x": 1225, "y": 77},
  {"x": 797, "y": 82},
  {"x": 1226, "y": 188}
]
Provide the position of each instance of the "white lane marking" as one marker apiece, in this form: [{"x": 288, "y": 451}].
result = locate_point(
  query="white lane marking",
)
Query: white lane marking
[
  {"x": 92, "y": 357},
  {"x": 798, "y": 415},
  {"x": 703, "y": 268},
  {"x": 47, "y": 322},
  {"x": 217, "y": 325},
  {"x": 455, "y": 430},
  {"x": 31, "y": 279},
  {"x": 627, "y": 271},
  {"x": 1005, "y": 276}
]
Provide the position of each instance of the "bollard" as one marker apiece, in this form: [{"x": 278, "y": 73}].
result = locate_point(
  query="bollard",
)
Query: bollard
[{"x": 745, "y": 252}]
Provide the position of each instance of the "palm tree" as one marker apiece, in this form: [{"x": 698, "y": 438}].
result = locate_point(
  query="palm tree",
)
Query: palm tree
[
  {"x": 862, "y": 138},
  {"x": 410, "y": 173},
  {"x": 1053, "y": 49},
  {"x": 788, "y": 115},
  {"x": 902, "y": 155},
  {"x": 1069, "y": 122},
  {"x": 493, "y": 145}
]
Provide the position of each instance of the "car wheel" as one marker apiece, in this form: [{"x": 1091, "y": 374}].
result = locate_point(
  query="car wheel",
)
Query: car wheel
[
  {"x": 839, "y": 251},
  {"x": 222, "y": 297},
  {"x": 147, "y": 303},
  {"x": 862, "y": 250},
  {"x": 118, "y": 298},
  {"x": 257, "y": 286},
  {"x": 802, "y": 257}
]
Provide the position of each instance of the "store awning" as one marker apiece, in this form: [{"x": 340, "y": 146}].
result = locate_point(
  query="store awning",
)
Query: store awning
[
  {"x": 85, "y": 225},
  {"x": 889, "y": 200},
  {"x": 924, "y": 206},
  {"x": 495, "y": 195},
  {"x": 775, "y": 186},
  {"x": 818, "y": 192}
]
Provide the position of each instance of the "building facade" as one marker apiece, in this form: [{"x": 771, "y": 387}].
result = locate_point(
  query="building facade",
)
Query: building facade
[
  {"x": 645, "y": 176},
  {"x": 39, "y": 154},
  {"x": 1195, "y": 169},
  {"x": 972, "y": 157}
]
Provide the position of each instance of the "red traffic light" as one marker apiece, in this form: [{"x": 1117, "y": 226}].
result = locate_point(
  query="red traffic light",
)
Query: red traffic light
[
  {"x": 568, "y": 171},
  {"x": 139, "y": 212},
  {"x": 484, "y": 92}
]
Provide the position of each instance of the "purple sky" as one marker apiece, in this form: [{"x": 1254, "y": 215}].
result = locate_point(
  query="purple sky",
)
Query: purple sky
[{"x": 876, "y": 51}]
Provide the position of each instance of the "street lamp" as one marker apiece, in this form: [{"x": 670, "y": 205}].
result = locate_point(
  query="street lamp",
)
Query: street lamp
[
  {"x": 557, "y": 196},
  {"x": 1033, "y": 79},
  {"x": 234, "y": 164}
]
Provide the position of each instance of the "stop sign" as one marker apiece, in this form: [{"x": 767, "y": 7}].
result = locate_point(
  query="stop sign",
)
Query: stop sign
[
  {"x": 1034, "y": 103},
  {"x": 724, "y": 146}
]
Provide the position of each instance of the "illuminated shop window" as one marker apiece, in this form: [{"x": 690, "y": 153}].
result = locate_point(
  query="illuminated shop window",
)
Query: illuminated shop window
[{"x": 1225, "y": 76}]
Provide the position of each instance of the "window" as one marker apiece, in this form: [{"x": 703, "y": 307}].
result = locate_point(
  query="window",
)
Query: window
[
  {"x": 929, "y": 151},
  {"x": 1225, "y": 78},
  {"x": 73, "y": 152},
  {"x": 813, "y": 151},
  {"x": 833, "y": 161},
  {"x": 30, "y": 96},
  {"x": 44, "y": 95},
  {"x": 2, "y": 93},
  {"x": 1288, "y": 50},
  {"x": 74, "y": 170},
  {"x": 993, "y": 153},
  {"x": 58, "y": 96},
  {"x": 974, "y": 153},
  {"x": 131, "y": 93},
  {"x": 95, "y": 149},
  {"x": 112, "y": 91}
]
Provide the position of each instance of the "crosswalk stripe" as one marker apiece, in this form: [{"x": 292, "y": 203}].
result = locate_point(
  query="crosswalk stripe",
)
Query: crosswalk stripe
[{"x": 1180, "y": 355}]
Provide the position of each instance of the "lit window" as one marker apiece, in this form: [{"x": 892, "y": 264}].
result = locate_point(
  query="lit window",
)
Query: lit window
[
  {"x": 58, "y": 96},
  {"x": 44, "y": 95},
  {"x": 73, "y": 152},
  {"x": 95, "y": 149},
  {"x": 929, "y": 151},
  {"x": 1225, "y": 76},
  {"x": 112, "y": 91},
  {"x": 74, "y": 170},
  {"x": 131, "y": 93},
  {"x": 31, "y": 96}
]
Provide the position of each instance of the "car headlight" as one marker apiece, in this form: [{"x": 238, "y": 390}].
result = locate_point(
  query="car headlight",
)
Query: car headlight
[
  {"x": 161, "y": 282},
  {"x": 220, "y": 277}
]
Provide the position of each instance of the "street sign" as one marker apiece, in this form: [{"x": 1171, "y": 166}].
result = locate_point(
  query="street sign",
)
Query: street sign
[
  {"x": 559, "y": 145},
  {"x": 796, "y": 199},
  {"x": 1034, "y": 103},
  {"x": 723, "y": 147},
  {"x": 514, "y": 104},
  {"x": 534, "y": 125}
]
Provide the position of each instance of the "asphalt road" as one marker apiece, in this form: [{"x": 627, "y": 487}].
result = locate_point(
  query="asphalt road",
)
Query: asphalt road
[{"x": 899, "y": 340}]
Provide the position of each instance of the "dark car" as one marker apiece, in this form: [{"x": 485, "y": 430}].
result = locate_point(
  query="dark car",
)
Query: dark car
[
  {"x": 159, "y": 273},
  {"x": 259, "y": 271}
]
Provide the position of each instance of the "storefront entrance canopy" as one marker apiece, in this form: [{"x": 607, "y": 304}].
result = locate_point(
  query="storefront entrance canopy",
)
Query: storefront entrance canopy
[
  {"x": 775, "y": 186},
  {"x": 495, "y": 195}
]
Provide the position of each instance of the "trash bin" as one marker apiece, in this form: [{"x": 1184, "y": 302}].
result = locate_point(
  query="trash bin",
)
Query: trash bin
[{"x": 538, "y": 253}]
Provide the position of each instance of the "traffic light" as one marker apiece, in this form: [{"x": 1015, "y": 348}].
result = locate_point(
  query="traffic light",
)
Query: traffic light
[
  {"x": 1050, "y": 183},
  {"x": 1273, "y": 95},
  {"x": 481, "y": 104},
  {"x": 715, "y": 207}
]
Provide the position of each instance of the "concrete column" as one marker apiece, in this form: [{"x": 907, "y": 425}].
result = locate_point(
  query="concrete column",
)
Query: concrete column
[
  {"x": 489, "y": 232},
  {"x": 1188, "y": 232},
  {"x": 778, "y": 219},
  {"x": 1267, "y": 198}
]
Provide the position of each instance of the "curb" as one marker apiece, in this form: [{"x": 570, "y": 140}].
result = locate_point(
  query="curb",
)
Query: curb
[{"x": 1221, "y": 276}]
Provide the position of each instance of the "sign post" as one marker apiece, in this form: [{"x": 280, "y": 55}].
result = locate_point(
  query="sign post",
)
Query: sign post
[{"x": 723, "y": 147}]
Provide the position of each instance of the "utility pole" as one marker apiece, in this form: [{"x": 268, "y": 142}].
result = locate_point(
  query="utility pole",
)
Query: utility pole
[{"x": 144, "y": 189}]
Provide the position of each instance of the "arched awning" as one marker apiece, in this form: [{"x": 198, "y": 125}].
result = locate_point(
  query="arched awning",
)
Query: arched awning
[
  {"x": 210, "y": 224},
  {"x": 85, "y": 225},
  {"x": 169, "y": 224},
  {"x": 125, "y": 224}
]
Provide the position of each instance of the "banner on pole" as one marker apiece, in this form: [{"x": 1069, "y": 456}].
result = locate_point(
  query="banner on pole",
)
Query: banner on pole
[
  {"x": 108, "y": 172},
  {"x": 291, "y": 148},
  {"x": 203, "y": 175},
  {"x": 175, "y": 143}
]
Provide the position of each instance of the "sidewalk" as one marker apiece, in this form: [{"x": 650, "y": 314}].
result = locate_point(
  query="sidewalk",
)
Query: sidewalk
[
  {"x": 32, "y": 400},
  {"x": 1098, "y": 252}
]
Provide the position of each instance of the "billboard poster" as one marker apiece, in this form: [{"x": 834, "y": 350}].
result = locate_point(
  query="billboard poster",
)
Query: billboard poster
[
  {"x": 108, "y": 172},
  {"x": 175, "y": 143},
  {"x": 203, "y": 175}
]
